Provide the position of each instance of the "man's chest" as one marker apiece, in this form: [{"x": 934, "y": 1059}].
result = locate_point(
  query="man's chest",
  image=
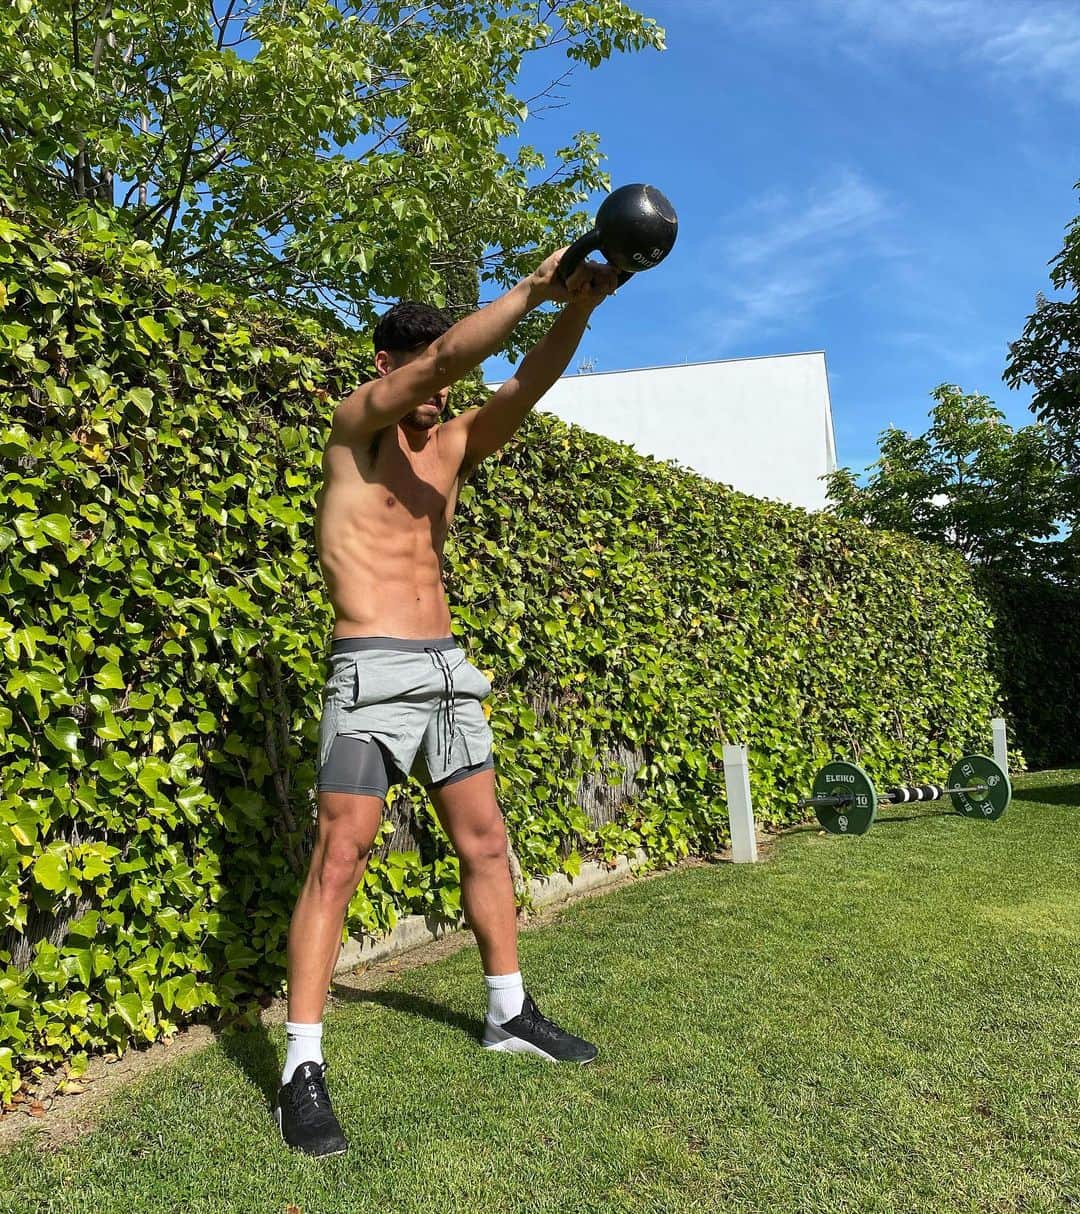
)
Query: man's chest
[{"x": 411, "y": 487}]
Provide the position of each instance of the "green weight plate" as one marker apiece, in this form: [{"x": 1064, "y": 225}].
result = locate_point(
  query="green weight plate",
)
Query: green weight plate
[
  {"x": 978, "y": 769},
  {"x": 841, "y": 779}
]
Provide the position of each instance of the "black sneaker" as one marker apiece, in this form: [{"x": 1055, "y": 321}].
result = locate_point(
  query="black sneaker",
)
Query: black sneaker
[
  {"x": 530, "y": 1033},
  {"x": 304, "y": 1115}
]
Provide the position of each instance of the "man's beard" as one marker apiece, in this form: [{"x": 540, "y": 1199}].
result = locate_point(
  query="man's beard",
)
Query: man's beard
[{"x": 424, "y": 419}]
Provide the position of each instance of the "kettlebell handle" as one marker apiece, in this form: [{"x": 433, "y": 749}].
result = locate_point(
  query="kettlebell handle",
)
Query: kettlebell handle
[{"x": 576, "y": 254}]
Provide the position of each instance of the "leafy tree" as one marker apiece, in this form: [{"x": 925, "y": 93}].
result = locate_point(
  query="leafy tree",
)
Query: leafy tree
[
  {"x": 335, "y": 155},
  {"x": 970, "y": 482},
  {"x": 1047, "y": 355}
]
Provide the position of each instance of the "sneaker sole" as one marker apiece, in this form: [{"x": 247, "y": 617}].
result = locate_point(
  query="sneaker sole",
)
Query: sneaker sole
[
  {"x": 311, "y": 1154},
  {"x": 515, "y": 1045}
]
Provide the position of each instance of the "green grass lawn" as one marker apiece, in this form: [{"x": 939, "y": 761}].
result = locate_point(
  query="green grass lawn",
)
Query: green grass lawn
[{"x": 889, "y": 1023}]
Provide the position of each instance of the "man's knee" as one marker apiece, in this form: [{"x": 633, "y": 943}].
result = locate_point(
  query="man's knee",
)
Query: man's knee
[
  {"x": 347, "y": 829},
  {"x": 485, "y": 843},
  {"x": 339, "y": 867}
]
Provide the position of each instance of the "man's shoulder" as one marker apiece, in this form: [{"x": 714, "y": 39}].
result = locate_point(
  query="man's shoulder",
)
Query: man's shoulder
[{"x": 365, "y": 448}]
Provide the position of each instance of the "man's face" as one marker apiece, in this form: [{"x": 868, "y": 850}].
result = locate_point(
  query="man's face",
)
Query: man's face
[{"x": 427, "y": 415}]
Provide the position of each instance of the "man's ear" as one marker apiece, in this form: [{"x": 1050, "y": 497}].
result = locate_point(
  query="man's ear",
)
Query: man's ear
[{"x": 384, "y": 364}]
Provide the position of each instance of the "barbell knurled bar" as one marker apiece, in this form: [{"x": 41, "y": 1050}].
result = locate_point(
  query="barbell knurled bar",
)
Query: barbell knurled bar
[{"x": 898, "y": 796}]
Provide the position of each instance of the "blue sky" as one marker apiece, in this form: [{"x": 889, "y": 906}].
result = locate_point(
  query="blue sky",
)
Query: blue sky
[{"x": 885, "y": 180}]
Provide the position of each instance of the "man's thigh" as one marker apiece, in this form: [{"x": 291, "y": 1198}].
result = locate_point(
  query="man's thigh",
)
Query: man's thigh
[
  {"x": 347, "y": 825},
  {"x": 468, "y": 810}
]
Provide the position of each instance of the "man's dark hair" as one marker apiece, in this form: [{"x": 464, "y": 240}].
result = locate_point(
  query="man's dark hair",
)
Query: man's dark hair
[{"x": 409, "y": 326}]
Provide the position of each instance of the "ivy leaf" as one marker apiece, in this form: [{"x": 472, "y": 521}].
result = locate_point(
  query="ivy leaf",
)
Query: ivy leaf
[
  {"x": 55, "y": 527},
  {"x": 84, "y": 963},
  {"x": 51, "y": 871},
  {"x": 110, "y": 676},
  {"x": 152, "y": 328},
  {"x": 130, "y": 1008},
  {"x": 143, "y": 399},
  {"x": 64, "y": 734}
]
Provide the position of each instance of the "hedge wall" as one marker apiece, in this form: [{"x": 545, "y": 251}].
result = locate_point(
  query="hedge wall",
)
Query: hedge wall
[
  {"x": 1036, "y": 658},
  {"x": 163, "y": 630}
]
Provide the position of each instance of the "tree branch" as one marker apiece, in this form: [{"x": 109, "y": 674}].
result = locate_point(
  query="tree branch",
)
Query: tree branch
[
  {"x": 224, "y": 23},
  {"x": 76, "y": 58}
]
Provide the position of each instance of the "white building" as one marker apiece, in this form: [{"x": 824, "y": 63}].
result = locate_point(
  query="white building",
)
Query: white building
[{"x": 761, "y": 425}]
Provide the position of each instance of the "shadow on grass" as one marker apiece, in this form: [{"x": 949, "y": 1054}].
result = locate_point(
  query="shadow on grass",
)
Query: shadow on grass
[
  {"x": 413, "y": 1005},
  {"x": 253, "y": 1050},
  {"x": 892, "y": 819},
  {"x": 1063, "y": 794},
  {"x": 889, "y": 820}
]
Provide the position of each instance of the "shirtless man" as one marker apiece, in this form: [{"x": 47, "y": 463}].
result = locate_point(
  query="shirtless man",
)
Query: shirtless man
[{"x": 401, "y": 697}]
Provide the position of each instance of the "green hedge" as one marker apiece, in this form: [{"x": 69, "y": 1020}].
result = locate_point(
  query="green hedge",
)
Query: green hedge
[
  {"x": 163, "y": 630},
  {"x": 1037, "y": 662}
]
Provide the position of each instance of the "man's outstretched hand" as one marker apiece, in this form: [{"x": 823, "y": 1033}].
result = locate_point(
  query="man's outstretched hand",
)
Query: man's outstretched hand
[{"x": 589, "y": 285}]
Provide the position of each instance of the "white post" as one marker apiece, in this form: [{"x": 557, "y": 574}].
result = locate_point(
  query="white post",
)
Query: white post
[
  {"x": 1001, "y": 744},
  {"x": 740, "y": 809}
]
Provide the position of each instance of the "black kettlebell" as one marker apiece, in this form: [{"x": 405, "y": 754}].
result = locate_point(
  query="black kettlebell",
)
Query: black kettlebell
[{"x": 635, "y": 229}]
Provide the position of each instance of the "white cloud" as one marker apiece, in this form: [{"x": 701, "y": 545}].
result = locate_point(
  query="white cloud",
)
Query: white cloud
[
  {"x": 788, "y": 252},
  {"x": 846, "y": 207},
  {"x": 1029, "y": 40}
]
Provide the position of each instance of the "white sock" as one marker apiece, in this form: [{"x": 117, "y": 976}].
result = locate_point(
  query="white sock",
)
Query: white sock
[
  {"x": 506, "y": 996},
  {"x": 304, "y": 1044}
]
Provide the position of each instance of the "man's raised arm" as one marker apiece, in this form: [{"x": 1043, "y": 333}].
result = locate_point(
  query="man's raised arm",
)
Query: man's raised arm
[
  {"x": 385, "y": 401},
  {"x": 491, "y": 426}
]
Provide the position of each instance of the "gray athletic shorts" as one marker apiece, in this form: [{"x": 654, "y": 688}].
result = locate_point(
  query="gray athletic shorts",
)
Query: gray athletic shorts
[{"x": 395, "y": 707}]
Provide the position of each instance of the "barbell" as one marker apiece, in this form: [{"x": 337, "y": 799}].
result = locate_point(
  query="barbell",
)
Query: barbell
[{"x": 845, "y": 800}]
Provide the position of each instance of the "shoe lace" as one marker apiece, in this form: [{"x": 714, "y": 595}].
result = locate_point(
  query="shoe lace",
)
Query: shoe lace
[
  {"x": 541, "y": 1024},
  {"x": 311, "y": 1099}
]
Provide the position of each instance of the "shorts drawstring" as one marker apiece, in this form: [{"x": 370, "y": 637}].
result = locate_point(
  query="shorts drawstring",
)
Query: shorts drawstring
[{"x": 448, "y": 709}]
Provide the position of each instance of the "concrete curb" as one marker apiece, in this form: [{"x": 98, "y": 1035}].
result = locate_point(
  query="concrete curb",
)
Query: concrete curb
[{"x": 415, "y": 930}]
